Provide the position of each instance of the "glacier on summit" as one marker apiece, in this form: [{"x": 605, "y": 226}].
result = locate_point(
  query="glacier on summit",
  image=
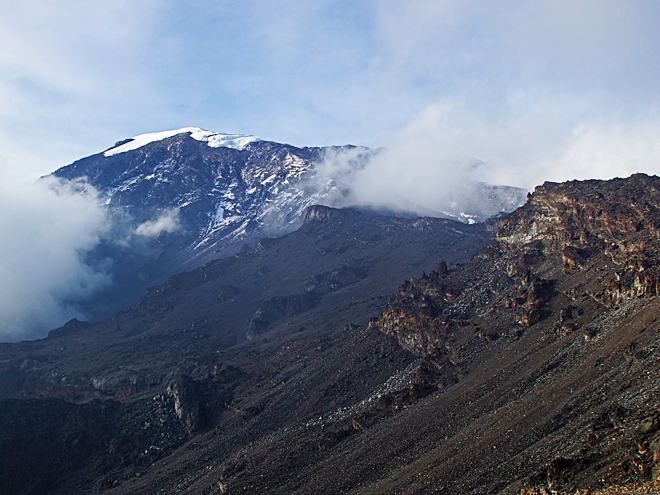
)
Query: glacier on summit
[{"x": 213, "y": 139}]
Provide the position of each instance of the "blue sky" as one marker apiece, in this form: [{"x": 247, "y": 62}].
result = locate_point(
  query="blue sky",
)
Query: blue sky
[
  {"x": 509, "y": 92},
  {"x": 535, "y": 89}
]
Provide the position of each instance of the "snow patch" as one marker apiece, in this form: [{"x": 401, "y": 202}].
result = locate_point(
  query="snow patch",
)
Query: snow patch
[
  {"x": 219, "y": 214},
  {"x": 213, "y": 139},
  {"x": 269, "y": 179}
]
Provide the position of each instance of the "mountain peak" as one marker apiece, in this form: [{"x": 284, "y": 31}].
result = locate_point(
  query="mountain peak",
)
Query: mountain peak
[{"x": 213, "y": 139}]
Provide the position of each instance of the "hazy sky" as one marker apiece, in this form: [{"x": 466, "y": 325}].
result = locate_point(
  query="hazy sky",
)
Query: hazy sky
[
  {"x": 535, "y": 89},
  {"x": 528, "y": 90}
]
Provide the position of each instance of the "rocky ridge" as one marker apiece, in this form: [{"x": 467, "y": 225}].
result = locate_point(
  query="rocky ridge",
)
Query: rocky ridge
[{"x": 558, "y": 315}]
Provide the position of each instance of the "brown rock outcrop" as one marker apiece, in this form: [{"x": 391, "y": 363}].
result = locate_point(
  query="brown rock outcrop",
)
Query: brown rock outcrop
[
  {"x": 601, "y": 237},
  {"x": 188, "y": 402},
  {"x": 619, "y": 219}
]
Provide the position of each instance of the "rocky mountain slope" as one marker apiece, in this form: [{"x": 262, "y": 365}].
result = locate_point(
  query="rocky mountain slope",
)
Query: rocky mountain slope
[
  {"x": 245, "y": 345},
  {"x": 531, "y": 368},
  {"x": 537, "y": 366},
  {"x": 181, "y": 198},
  {"x": 548, "y": 341}
]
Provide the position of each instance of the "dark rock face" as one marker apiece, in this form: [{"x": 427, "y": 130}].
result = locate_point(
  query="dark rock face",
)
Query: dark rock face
[
  {"x": 319, "y": 213},
  {"x": 71, "y": 326},
  {"x": 276, "y": 307},
  {"x": 40, "y": 440},
  {"x": 316, "y": 288},
  {"x": 43, "y": 441}
]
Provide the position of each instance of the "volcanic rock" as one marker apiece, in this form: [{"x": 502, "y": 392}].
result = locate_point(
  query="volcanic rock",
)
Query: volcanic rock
[{"x": 188, "y": 402}]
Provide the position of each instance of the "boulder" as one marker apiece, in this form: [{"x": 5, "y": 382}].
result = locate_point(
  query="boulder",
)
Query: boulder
[{"x": 188, "y": 402}]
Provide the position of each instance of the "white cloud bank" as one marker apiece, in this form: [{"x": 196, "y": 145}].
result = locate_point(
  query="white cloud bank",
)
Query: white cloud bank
[
  {"x": 522, "y": 140},
  {"x": 167, "y": 222},
  {"x": 515, "y": 93},
  {"x": 523, "y": 143},
  {"x": 46, "y": 229}
]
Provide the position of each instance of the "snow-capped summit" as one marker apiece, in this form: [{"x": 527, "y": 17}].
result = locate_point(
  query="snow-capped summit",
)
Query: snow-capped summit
[
  {"x": 181, "y": 198},
  {"x": 186, "y": 196},
  {"x": 213, "y": 139}
]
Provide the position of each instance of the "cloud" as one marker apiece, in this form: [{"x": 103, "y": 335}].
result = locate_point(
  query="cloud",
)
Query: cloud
[
  {"x": 167, "y": 222},
  {"x": 46, "y": 229},
  {"x": 602, "y": 149},
  {"x": 585, "y": 44},
  {"x": 528, "y": 90},
  {"x": 523, "y": 139},
  {"x": 529, "y": 137}
]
